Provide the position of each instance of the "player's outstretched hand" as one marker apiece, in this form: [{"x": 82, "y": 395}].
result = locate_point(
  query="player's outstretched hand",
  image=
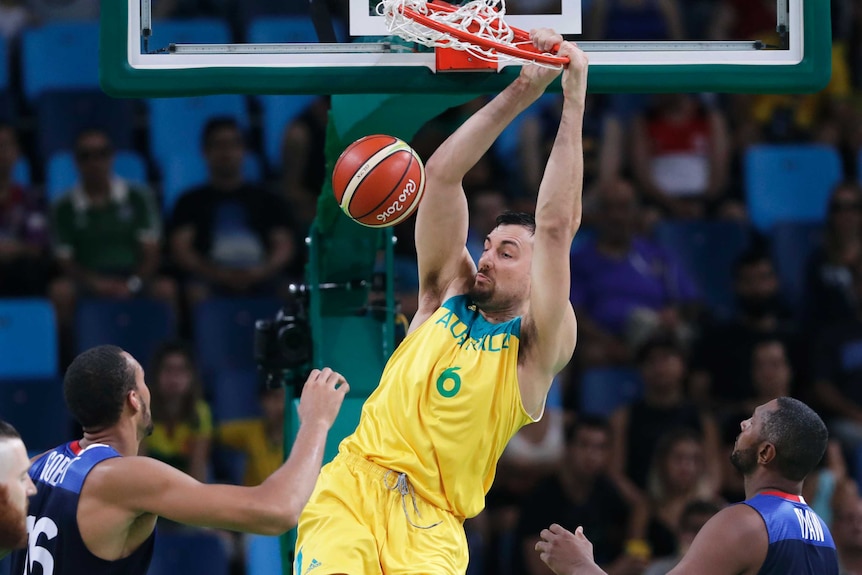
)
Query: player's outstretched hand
[
  {"x": 575, "y": 73},
  {"x": 566, "y": 553},
  {"x": 544, "y": 39},
  {"x": 322, "y": 396}
]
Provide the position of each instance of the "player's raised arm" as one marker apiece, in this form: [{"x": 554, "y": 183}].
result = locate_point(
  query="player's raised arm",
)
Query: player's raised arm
[
  {"x": 143, "y": 485},
  {"x": 550, "y": 321},
  {"x": 442, "y": 220}
]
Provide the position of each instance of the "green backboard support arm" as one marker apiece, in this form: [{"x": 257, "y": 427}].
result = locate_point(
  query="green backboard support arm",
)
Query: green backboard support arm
[
  {"x": 342, "y": 252},
  {"x": 118, "y": 78}
]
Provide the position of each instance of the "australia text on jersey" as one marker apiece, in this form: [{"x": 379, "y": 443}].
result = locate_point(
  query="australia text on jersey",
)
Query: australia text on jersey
[{"x": 488, "y": 342}]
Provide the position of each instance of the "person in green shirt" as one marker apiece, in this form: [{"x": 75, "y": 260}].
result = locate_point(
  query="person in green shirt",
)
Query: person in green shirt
[{"x": 106, "y": 234}]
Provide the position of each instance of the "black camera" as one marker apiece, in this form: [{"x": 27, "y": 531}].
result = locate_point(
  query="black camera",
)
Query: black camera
[{"x": 283, "y": 345}]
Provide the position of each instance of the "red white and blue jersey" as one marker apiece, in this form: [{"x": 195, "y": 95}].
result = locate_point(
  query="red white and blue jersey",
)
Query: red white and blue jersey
[
  {"x": 799, "y": 541},
  {"x": 55, "y": 546}
]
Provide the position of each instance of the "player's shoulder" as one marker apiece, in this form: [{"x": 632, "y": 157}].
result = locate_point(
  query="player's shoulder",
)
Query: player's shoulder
[{"x": 737, "y": 523}]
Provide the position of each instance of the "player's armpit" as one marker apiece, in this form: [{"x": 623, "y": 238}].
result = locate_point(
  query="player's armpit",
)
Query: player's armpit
[
  {"x": 732, "y": 541},
  {"x": 143, "y": 485}
]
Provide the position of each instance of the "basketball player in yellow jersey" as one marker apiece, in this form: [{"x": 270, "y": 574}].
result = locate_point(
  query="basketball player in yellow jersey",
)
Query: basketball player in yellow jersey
[{"x": 475, "y": 366}]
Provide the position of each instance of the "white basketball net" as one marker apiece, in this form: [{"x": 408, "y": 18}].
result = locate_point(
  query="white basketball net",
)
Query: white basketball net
[{"x": 482, "y": 18}]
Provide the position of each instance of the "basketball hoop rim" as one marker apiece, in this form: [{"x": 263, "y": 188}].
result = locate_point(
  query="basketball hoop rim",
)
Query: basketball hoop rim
[{"x": 527, "y": 53}]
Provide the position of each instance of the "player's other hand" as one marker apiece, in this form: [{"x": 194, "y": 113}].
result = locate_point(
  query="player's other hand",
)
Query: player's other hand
[
  {"x": 565, "y": 552},
  {"x": 575, "y": 73},
  {"x": 544, "y": 39},
  {"x": 322, "y": 396}
]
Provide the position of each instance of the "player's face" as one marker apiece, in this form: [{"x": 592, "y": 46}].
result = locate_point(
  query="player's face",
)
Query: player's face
[
  {"x": 744, "y": 455},
  {"x": 146, "y": 419},
  {"x": 503, "y": 275},
  {"x": 15, "y": 489}
]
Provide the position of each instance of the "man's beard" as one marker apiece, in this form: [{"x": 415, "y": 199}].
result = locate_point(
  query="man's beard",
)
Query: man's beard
[
  {"x": 148, "y": 429},
  {"x": 13, "y": 523},
  {"x": 744, "y": 460}
]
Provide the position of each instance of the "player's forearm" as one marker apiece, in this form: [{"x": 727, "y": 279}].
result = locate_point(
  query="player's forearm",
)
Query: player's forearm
[
  {"x": 559, "y": 204},
  {"x": 291, "y": 485},
  {"x": 466, "y": 146}
]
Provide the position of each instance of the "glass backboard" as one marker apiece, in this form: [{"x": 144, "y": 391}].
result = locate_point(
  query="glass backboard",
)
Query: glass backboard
[{"x": 335, "y": 48}]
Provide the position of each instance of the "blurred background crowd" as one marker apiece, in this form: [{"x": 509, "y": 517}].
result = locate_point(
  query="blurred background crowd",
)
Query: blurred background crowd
[{"x": 719, "y": 266}]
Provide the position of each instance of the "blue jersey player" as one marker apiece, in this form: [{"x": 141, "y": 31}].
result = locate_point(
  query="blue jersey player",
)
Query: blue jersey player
[
  {"x": 773, "y": 532},
  {"x": 96, "y": 501}
]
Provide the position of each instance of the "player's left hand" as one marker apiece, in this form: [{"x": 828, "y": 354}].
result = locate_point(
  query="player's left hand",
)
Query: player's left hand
[{"x": 566, "y": 553}]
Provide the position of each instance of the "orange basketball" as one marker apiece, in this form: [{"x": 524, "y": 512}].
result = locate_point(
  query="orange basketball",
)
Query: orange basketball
[{"x": 378, "y": 181}]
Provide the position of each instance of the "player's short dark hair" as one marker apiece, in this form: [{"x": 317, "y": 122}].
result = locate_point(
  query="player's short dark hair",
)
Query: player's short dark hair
[
  {"x": 7, "y": 431},
  {"x": 799, "y": 437},
  {"x": 522, "y": 219},
  {"x": 586, "y": 421},
  {"x": 96, "y": 385},
  {"x": 217, "y": 124}
]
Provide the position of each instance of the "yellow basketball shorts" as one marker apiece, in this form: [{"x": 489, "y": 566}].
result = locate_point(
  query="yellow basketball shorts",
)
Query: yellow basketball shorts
[{"x": 361, "y": 520}]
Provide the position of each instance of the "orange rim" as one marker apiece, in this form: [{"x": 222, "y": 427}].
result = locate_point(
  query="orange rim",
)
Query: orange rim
[{"x": 526, "y": 53}]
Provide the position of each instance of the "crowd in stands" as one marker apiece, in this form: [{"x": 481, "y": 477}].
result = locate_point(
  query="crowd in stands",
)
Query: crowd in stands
[{"x": 693, "y": 307}]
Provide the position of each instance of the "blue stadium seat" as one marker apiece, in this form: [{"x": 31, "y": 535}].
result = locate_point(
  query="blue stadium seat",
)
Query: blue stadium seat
[
  {"x": 278, "y": 112},
  {"x": 191, "y": 31},
  {"x": 22, "y": 172},
  {"x": 60, "y": 56},
  {"x": 707, "y": 250},
  {"x": 28, "y": 339},
  {"x": 176, "y": 124},
  {"x": 263, "y": 555},
  {"x": 62, "y": 173},
  {"x": 604, "y": 389},
  {"x": 183, "y": 171},
  {"x": 38, "y": 411},
  {"x": 136, "y": 325},
  {"x": 789, "y": 182},
  {"x": 191, "y": 552},
  {"x": 224, "y": 331},
  {"x": 62, "y": 114},
  {"x": 234, "y": 394},
  {"x": 248, "y": 11},
  {"x": 792, "y": 244}
]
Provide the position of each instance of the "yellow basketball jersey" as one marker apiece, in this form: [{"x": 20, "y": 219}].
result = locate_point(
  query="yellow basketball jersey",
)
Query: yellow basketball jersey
[{"x": 447, "y": 404}]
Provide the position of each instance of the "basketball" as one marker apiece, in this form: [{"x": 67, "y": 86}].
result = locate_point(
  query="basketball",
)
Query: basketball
[{"x": 378, "y": 181}]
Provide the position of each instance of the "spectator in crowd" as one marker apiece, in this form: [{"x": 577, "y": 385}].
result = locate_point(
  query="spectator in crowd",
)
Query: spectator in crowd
[
  {"x": 624, "y": 286},
  {"x": 182, "y": 421},
  {"x": 230, "y": 236},
  {"x": 106, "y": 234},
  {"x": 635, "y": 20},
  {"x": 743, "y": 20},
  {"x": 847, "y": 534},
  {"x": 825, "y": 484},
  {"x": 664, "y": 407},
  {"x": 677, "y": 478},
  {"x": 771, "y": 376},
  {"x": 837, "y": 371},
  {"x": 829, "y": 292},
  {"x": 584, "y": 493},
  {"x": 695, "y": 514},
  {"x": 23, "y": 228},
  {"x": 721, "y": 362},
  {"x": 260, "y": 439},
  {"x": 681, "y": 156}
]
